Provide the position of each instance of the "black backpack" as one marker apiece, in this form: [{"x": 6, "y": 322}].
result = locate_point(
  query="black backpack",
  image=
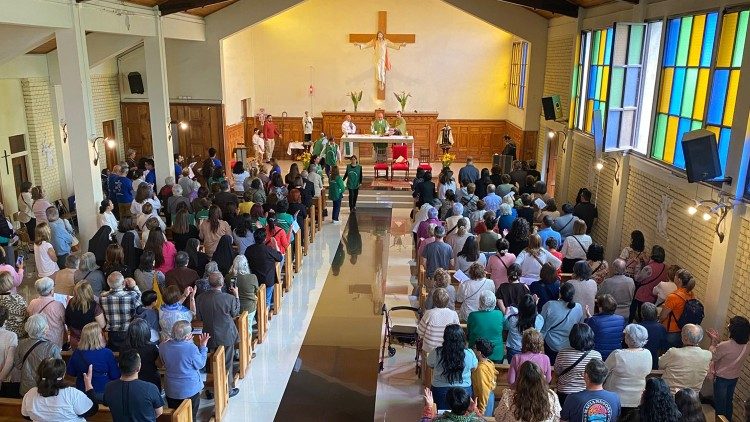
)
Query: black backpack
[{"x": 692, "y": 314}]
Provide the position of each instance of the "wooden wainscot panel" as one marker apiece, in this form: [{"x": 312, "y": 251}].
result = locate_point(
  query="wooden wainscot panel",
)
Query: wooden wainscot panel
[
  {"x": 525, "y": 140},
  {"x": 477, "y": 138}
]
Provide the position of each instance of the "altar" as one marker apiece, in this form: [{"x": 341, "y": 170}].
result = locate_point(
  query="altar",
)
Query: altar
[
  {"x": 358, "y": 139},
  {"x": 421, "y": 126}
]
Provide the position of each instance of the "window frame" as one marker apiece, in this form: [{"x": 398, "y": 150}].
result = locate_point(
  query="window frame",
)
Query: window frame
[{"x": 518, "y": 74}]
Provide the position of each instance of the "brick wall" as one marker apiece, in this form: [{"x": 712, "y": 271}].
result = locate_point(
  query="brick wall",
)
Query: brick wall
[
  {"x": 106, "y": 100},
  {"x": 36, "y": 94},
  {"x": 557, "y": 73},
  {"x": 581, "y": 166},
  {"x": 739, "y": 305},
  {"x": 690, "y": 239}
]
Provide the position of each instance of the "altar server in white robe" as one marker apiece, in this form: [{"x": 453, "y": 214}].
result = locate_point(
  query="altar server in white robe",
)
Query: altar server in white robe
[{"x": 348, "y": 128}]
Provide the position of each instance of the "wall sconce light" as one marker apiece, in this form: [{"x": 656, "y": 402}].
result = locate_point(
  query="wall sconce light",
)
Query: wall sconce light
[
  {"x": 599, "y": 166},
  {"x": 108, "y": 142},
  {"x": 712, "y": 208},
  {"x": 184, "y": 125},
  {"x": 552, "y": 133}
]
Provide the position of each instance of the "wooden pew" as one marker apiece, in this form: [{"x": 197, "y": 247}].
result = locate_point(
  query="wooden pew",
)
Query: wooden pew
[
  {"x": 319, "y": 214},
  {"x": 565, "y": 277},
  {"x": 298, "y": 252},
  {"x": 309, "y": 230},
  {"x": 218, "y": 379},
  {"x": 421, "y": 282},
  {"x": 312, "y": 215},
  {"x": 244, "y": 345},
  {"x": 262, "y": 314},
  {"x": 278, "y": 289},
  {"x": 288, "y": 272},
  {"x": 10, "y": 410}
]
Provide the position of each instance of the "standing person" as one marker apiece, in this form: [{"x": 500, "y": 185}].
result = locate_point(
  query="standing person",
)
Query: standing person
[
  {"x": 26, "y": 214},
  {"x": 262, "y": 260},
  {"x": 628, "y": 370},
  {"x": 559, "y": 318},
  {"x": 44, "y": 253},
  {"x": 52, "y": 399},
  {"x": 608, "y": 327},
  {"x": 183, "y": 361},
  {"x": 217, "y": 309},
  {"x": 468, "y": 173},
  {"x": 646, "y": 279},
  {"x": 259, "y": 145},
  {"x": 61, "y": 239},
  {"x": 575, "y": 246},
  {"x": 380, "y": 127},
  {"x": 520, "y": 318},
  {"x": 584, "y": 285},
  {"x": 53, "y": 310},
  {"x": 399, "y": 123},
  {"x": 40, "y": 204},
  {"x": 530, "y": 400},
  {"x": 658, "y": 403},
  {"x": 432, "y": 324},
  {"x": 674, "y": 306},
  {"x": 336, "y": 192},
  {"x": 585, "y": 210},
  {"x": 354, "y": 175},
  {"x": 728, "y": 359},
  {"x": 332, "y": 155},
  {"x": 32, "y": 351},
  {"x": 634, "y": 254},
  {"x": 594, "y": 403},
  {"x": 348, "y": 128},
  {"x": 452, "y": 364},
  {"x": 307, "y": 127},
  {"x": 119, "y": 304},
  {"x": 484, "y": 378},
  {"x": 178, "y": 159},
  {"x": 270, "y": 133},
  {"x": 129, "y": 398},
  {"x": 91, "y": 352},
  {"x": 620, "y": 286},
  {"x": 124, "y": 192},
  {"x": 657, "y": 334},
  {"x": 487, "y": 323},
  {"x": 687, "y": 366}
]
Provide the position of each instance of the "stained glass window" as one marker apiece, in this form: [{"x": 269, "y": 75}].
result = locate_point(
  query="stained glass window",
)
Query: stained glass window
[
  {"x": 519, "y": 60},
  {"x": 698, "y": 85},
  {"x": 591, "y": 78}
]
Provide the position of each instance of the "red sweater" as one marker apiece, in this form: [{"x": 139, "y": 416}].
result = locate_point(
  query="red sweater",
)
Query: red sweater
[{"x": 269, "y": 130}]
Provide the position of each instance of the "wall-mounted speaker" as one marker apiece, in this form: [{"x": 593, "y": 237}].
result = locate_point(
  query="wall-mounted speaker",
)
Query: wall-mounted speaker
[
  {"x": 552, "y": 107},
  {"x": 135, "y": 81},
  {"x": 701, "y": 155}
]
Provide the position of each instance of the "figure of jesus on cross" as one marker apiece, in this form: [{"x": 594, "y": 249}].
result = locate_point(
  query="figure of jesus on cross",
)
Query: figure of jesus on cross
[{"x": 380, "y": 43}]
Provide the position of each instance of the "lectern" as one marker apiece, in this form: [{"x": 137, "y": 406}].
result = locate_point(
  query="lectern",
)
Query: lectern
[{"x": 240, "y": 153}]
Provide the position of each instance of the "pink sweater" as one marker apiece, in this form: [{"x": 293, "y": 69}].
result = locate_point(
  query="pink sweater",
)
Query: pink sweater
[{"x": 539, "y": 358}]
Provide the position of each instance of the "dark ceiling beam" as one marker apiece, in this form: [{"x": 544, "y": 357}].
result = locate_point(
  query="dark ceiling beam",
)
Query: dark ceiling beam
[
  {"x": 632, "y": 1},
  {"x": 175, "y": 6},
  {"x": 561, "y": 7}
]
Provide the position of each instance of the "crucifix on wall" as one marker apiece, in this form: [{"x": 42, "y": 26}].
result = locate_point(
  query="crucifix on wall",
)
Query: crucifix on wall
[{"x": 380, "y": 43}]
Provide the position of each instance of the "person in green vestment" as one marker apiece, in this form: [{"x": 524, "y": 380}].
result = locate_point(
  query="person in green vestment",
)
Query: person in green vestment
[
  {"x": 331, "y": 154},
  {"x": 379, "y": 126},
  {"x": 353, "y": 178},
  {"x": 319, "y": 145},
  {"x": 400, "y": 123},
  {"x": 336, "y": 192}
]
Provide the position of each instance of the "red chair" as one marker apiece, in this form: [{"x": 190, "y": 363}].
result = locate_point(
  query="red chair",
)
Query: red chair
[
  {"x": 424, "y": 159},
  {"x": 381, "y": 162},
  {"x": 400, "y": 151}
]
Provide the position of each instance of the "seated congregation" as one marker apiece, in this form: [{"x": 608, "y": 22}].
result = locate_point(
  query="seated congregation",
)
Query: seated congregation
[
  {"x": 168, "y": 302},
  {"x": 523, "y": 318}
]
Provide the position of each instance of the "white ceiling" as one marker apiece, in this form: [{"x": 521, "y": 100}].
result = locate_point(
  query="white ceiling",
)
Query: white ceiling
[{"x": 16, "y": 40}]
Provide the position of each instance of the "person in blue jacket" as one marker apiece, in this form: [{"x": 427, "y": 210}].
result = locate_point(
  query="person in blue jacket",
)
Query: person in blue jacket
[{"x": 608, "y": 327}]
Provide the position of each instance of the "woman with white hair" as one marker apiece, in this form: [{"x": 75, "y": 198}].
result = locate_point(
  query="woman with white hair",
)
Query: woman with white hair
[
  {"x": 506, "y": 215},
  {"x": 53, "y": 310},
  {"x": 452, "y": 221},
  {"x": 432, "y": 324},
  {"x": 247, "y": 287},
  {"x": 174, "y": 201},
  {"x": 31, "y": 351},
  {"x": 470, "y": 290},
  {"x": 88, "y": 270},
  {"x": 487, "y": 323},
  {"x": 628, "y": 369}
]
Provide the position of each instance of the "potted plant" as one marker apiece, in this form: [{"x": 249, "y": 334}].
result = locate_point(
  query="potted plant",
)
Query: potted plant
[
  {"x": 356, "y": 97},
  {"x": 402, "y": 98},
  {"x": 447, "y": 159}
]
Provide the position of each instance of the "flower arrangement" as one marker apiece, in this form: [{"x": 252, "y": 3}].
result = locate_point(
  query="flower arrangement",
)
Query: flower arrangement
[
  {"x": 356, "y": 97},
  {"x": 305, "y": 157},
  {"x": 447, "y": 159},
  {"x": 402, "y": 98}
]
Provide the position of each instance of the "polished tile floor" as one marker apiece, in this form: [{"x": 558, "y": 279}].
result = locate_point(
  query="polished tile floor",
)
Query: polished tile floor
[{"x": 320, "y": 360}]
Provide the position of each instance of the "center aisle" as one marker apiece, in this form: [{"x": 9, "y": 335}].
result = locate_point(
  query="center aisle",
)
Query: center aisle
[{"x": 335, "y": 375}]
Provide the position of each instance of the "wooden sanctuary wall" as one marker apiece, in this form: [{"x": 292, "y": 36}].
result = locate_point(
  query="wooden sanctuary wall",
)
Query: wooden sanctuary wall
[
  {"x": 205, "y": 128},
  {"x": 479, "y": 138}
]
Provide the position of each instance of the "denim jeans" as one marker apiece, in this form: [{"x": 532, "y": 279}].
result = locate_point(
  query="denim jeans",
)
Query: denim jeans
[
  {"x": 490, "y": 409},
  {"x": 723, "y": 396},
  {"x": 336, "y": 209},
  {"x": 195, "y": 401},
  {"x": 269, "y": 295},
  {"x": 439, "y": 393}
]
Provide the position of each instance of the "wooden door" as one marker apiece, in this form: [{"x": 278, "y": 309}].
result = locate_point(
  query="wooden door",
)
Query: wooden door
[
  {"x": 108, "y": 130},
  {"x": 136, "y": 128},
  {"x": 20, "y": 172},
  {"x": 551, "y": 170}
]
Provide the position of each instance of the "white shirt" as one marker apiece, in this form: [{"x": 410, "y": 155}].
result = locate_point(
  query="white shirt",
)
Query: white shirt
[
  {"x": 239, "y": 179},
  {"x": 307, "y": 125},
  {"x": 258, "y": 142},
  {"x": 444, "y": 188},
  {"x": 9, "y": 339},
  {"x": 662, "y": 290},
  {"x": 531, "y": 266},
  {"x": 107, "y": 219},
  {"x": 64, "y": 407},
  {"x": 348, "y": 128},
  {"x": 135, "y": 207},
  {"x": 468, "y": 295},
  {"x": 142, "y": 218},
  {"x": 572, "y": 249},
  {"x": 45, "y": 266}
]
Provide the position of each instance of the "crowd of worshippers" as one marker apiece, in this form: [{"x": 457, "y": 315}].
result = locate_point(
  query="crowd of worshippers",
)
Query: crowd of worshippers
[
  {"x": 196, "y": 250},
  {"x": 535, "y": 291}
]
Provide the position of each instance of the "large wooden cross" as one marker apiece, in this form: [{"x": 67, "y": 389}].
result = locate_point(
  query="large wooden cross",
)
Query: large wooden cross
[{"x": 394, "y": 38}]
